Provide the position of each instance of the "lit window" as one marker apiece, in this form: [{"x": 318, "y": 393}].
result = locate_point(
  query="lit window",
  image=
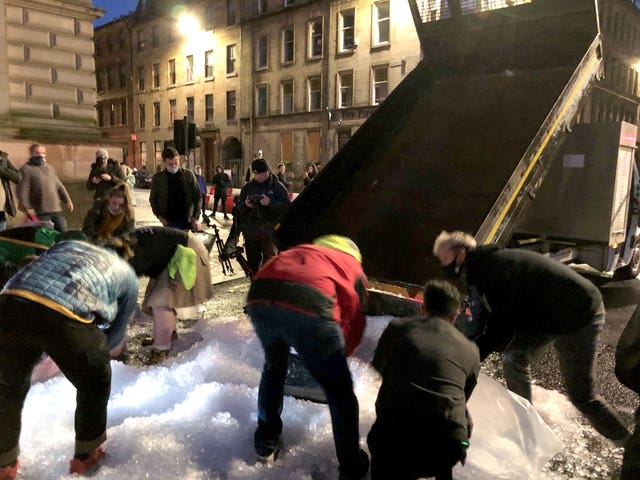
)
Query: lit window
[
  {"x": 208, "y": 106},
  {"x": 231, "y": 59},
  {"x": 231, "y": 104},
  {"x": 172, "y": 72},
  {"x": 190, "y": 109},
  {"x": 156, "y": 75},
  {"x": 188, "y": 65},
  {"x": 208, "y": 64},
  {"x": 173, "y": 111},
  {"x": 142, "y": 117},
  {"x": 156, "y": 114}
]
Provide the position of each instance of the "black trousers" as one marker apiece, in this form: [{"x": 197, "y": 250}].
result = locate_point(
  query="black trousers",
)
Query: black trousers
[
  {"x": 222, "y": 198},
  {"x": 397, "y": 455},
  {"x": 27, "y": 330}
]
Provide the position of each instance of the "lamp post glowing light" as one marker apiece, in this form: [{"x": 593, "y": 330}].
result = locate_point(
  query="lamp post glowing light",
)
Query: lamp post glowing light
[{"x": 188, "y": 24}]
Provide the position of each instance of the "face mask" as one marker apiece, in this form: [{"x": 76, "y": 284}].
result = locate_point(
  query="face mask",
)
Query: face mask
[
  {"x": 453, "y": 270},
  {"x": 114, "y": 212},
  {"x": 172, "y": 169},
  {"x": 37, "y": 160}
]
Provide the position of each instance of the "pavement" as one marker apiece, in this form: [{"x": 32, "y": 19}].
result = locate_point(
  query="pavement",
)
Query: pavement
[{"x": 145, "y": 217}]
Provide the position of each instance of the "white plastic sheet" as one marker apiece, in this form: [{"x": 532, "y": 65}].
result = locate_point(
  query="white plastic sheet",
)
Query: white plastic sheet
[{"x": 510, "y": 440}]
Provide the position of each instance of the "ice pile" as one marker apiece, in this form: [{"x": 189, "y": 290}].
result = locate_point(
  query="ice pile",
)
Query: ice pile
[{"x": 194, "y": 419}]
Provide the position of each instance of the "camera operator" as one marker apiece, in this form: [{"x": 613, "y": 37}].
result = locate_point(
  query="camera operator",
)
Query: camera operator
[
  {"x": 105, "y": 174},
  {"x": 262, "y": 201}
]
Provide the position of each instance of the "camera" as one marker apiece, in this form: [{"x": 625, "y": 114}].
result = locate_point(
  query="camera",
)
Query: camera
[{"x": 255, "y": 199}]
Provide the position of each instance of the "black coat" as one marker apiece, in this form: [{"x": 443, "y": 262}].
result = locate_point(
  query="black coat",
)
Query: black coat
[
  {"x": 154, "y": 249},
  {"x": 221, "y": 182},
  {"x": 526, "y": 292},
  {"x": 429, "y": 370},
  {"x": 114, "y": 170}
]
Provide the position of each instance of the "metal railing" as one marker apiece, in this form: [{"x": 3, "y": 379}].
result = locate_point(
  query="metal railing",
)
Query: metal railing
[{"x": 434, "y": 10}]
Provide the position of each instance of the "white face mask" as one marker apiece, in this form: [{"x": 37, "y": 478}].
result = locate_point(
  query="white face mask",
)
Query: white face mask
[{"x": 172, "y": 169}]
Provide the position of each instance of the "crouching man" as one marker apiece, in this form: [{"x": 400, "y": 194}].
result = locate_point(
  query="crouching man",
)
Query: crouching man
[
  {"x": 310, "y": 297},
  {"x": 429, "y": 370},
  {"x": 72, "y": 303}
]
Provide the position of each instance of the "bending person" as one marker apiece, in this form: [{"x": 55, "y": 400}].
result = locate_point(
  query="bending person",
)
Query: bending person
[
  {"x": 177, "y": 263},
  {"x": 88, "y": 292}
]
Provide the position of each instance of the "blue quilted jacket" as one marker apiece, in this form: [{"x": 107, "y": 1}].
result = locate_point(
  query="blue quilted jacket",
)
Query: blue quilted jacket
[{"x": 84, "y": 282}]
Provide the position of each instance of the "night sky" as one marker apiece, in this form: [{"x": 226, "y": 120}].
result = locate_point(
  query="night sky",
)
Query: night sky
[{"x": 113, "y": 9}]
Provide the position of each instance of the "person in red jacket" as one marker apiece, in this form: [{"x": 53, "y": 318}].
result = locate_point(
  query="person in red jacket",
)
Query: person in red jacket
[{"x": 311, "y": 298}]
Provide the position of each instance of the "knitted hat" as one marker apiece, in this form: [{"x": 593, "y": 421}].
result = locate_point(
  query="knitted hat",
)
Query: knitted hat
[
  {"x": 338, "y": 242},
  {"x": 259, "y": 165},
  {"x": 102, "y": 152}
]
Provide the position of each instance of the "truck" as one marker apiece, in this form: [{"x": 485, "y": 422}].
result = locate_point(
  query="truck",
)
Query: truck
[{"x": 484, "y": 136}]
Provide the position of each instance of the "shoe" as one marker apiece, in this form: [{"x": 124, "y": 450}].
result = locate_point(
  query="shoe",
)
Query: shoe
[
  {"x": 266, "y": 455},
  {"x": 157, "y": 357},
  {"x": 10, "y": 471},
  {"x": 88, "y": 465},
  {"x": 358, "y": 470}
]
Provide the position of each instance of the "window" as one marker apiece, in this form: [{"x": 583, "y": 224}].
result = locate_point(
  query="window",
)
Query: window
[
  {"x": 124, "y": 118},
  {"x": 190, "y": 109},
  {"x": 112, "y": 115},
  {"x": 143, "y": 152},
  {"x": 188, "y": 66},
  {"x": 262, "y": 51},
  {"x": 313, "y": 146},
  {"x": 208, "y": 18},
  {"x": 173, "y": 111},
  {"x": 231, "y": 104},
  {"x": 380, "y": 84},
  {"x": 122, "y": 75},
  {"x": 156, "y": 114},
  {"x": 314, "y": 85},
  {"x": 172, "y": 71},
  {"x": 156, "y": 75},
  {"x": 231, "y": 12},
  {"x": 157, "y": 151},
  {"x": 262, "y": 7},
  {"x": 142, "y": 117},
  {"x": 141, "y": 79},
  {"x": 261, "y": 100},
  {"x": 140, "y": 37},
  {"x": 286, "y": 89},
  {"x": 208, "y": 107},
  {"x": 315, "y": 37},
  {"x": 286, "y": 147},
  {"x": 208, "y": 64},
  {"x": 155, "y": 37},
  {"x": 287, "y": 45},
  {"x": 380, "y": 23},
  {"x": 231, "y": 59},
  {"x": 100, "y": 116},
  {"x": 345, "y": 89},
  {"x": 99, "y": 80},
  {"x": 347, "y": 30}
]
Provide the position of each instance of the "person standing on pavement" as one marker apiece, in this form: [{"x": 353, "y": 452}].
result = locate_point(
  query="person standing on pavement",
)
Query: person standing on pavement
[
  {"x": 202, "y": 185},
  {"x": 77, "y": 317},
  {"x": 429, "y": 370},
  {"x": 282, "y": 177},
  {"x": 105, "y": 174},
  {"x": 221, "y": 182},
  {"x": 525, "y": 302},
  {"x": 311, "y": 297},
  {"x": 8, "y": 174},
  {"x": 40, "y": 191},
  {"x": 262, "y": 201},
  {"x": 628, "y": 372},
  {"x": 175, "y": 196}
]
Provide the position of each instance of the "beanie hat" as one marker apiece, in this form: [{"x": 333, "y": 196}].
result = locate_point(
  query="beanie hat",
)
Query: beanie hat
[
  {"x": 338, "y": 242},
  {"x": 102, "y": 152},
  {"x": 259, "y": 165}
]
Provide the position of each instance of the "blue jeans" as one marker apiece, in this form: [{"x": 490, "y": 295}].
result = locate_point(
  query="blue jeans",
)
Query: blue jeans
[
  {"x": 320, "y": 344},
  {"x": 576, "y": 354},
  {"x": 59, "y": 222}
]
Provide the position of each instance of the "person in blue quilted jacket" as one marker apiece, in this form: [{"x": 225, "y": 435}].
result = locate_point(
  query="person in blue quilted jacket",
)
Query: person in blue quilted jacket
[{"x": 73, "y": 303}]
